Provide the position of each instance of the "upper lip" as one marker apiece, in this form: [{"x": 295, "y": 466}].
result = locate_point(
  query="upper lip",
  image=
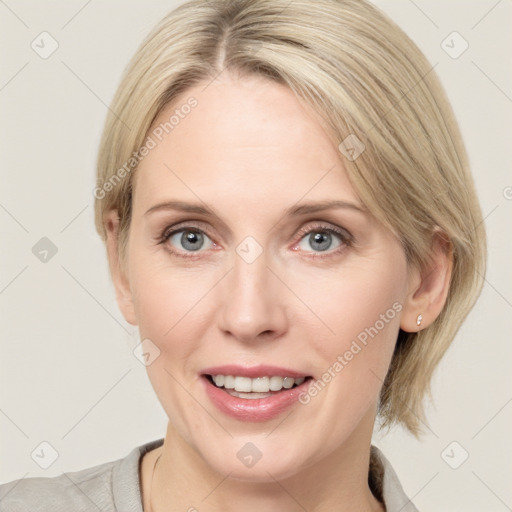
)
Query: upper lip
[{"x": 261, "y": 370}]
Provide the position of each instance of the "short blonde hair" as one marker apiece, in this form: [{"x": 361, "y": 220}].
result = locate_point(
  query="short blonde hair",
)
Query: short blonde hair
[{"x": 364, "y": 77}]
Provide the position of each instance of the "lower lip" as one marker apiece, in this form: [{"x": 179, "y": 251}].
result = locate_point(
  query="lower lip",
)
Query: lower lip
[{"x": 256, "y": 409}]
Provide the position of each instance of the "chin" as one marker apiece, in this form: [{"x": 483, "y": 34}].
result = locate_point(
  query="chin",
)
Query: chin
[
  {"x": 261, "y": 473},
  {"x": 257, "y": 460}
]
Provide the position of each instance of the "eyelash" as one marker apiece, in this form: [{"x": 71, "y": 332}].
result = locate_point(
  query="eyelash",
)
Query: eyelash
[{"x": 345, "y": 237}]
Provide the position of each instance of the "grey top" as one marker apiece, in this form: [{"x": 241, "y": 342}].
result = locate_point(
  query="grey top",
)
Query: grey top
[{"x": 115, "y": 487}]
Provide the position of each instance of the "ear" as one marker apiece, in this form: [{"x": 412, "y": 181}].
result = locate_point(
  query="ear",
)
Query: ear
[
  {"x": 124, "y": 294},
  {"x": 428, "y": 286}
]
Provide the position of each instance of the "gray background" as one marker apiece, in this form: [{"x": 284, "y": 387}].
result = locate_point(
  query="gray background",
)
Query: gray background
[{"x": 68, "y": 376}]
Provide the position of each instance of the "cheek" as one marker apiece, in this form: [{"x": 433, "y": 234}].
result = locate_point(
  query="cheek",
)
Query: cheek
[
  {"x": 159, "y": 293},
  {"x": 353, "y": 304},
  {"x": 360, "y": 312},
  {"x": 159, "y": 300},
  {"x": 170, "y": 307},
  {"x": 170, "y": 304}
]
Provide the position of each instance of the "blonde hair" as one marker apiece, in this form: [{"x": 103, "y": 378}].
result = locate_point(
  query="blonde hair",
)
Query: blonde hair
[{"x": 364, "y": 77}]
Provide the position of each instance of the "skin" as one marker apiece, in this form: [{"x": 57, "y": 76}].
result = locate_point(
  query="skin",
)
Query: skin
[{"x": 251, "y": 150}]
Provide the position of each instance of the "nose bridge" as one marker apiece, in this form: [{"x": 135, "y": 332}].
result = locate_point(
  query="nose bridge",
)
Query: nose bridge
[{"x": 252, "y": 303}]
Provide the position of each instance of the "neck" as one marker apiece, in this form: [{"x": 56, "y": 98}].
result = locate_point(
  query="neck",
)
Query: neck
[{"x": 184, "y": 481}]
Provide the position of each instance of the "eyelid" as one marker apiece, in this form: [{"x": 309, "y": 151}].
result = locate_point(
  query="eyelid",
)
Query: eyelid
[
  {"x": 200, "y": 226},
  {"x": 170, "y": 231},
  {"x": 346, "y": 238},
  {"x": 326, "y": 226}
]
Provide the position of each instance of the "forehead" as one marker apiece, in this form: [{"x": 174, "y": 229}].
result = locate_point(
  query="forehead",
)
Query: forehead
[{"x": 244, "y": 138}]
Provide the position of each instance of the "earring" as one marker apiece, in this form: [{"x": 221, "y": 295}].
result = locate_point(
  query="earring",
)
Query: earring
[{"x": 419, "y": 319}]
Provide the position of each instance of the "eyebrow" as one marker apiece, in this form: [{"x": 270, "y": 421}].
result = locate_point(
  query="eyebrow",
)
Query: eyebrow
[{"x": 293, "y": 211}]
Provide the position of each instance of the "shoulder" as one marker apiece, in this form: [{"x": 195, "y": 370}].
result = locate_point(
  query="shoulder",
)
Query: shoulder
[
  {"x": 387, "y": 484},
  {"x": 110, "y": 487},
  {"x": 84, "y": 490}
]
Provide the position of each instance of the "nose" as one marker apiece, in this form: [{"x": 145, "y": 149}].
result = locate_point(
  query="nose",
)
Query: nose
[{"x": 252, "y": 302}]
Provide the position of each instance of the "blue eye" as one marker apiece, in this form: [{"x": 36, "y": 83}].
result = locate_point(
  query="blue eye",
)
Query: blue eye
[
  {"x": 188, "y": 239},
  {"x": 322, "y": 240}
]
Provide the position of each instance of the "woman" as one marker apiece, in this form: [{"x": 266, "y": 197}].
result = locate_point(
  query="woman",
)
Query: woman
[{"x": 291, "y": 223}]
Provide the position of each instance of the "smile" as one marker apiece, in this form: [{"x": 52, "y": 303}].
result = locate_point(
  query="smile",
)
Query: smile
[
  {"x": 259, "y": 387},
  {"x": 254, "y": 394}
]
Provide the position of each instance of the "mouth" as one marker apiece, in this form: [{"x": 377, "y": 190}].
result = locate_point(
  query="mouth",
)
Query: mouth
[
  {"x": 249, "y": 388},
  {"x": 254, "y": 394}
]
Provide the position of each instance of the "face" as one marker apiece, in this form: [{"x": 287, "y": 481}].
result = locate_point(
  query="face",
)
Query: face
[{"x": 241, "y": 273}]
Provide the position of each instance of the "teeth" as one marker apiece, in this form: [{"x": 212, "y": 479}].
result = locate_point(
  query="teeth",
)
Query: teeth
[
  {"x": 276, "y": 383},
  {"x": 260, "y": 385},
  {"x": 288, "y": 382},
  {"x": 229, "y": 381},
  {"x": 250, "y": 396},
  {"x": 257, "y": 385},
  {"x": 219, "y": 380},
  {"x": 243, "y": 384}
]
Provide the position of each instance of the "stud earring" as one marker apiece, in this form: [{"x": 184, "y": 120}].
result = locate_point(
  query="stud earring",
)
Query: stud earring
[{"x": 419, "y": 319}]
